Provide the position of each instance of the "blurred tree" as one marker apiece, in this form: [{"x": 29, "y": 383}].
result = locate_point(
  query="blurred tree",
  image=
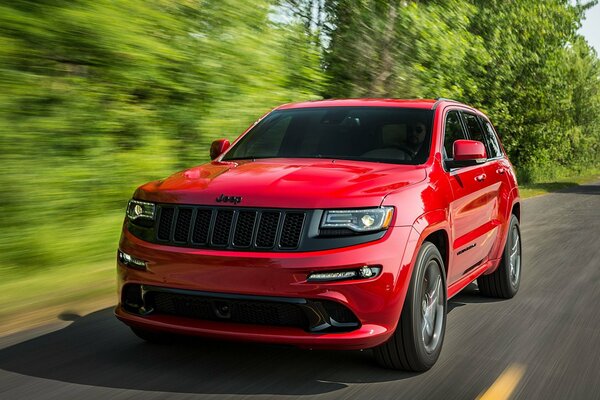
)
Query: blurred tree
[
  {"x": 401, "y": 48},
  {"x": 99, "y": 96}
]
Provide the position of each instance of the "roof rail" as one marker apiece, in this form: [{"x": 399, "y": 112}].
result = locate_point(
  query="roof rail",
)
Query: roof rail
[{"x": 438, "y": 100}]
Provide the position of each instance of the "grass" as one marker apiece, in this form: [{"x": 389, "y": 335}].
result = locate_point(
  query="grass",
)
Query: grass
[
  {"x": 539, "y": 188},
  {"x": 40, "y": 297},
  {"x": 33, "y": 298}
]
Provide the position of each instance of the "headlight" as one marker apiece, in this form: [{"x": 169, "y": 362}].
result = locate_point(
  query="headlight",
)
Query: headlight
[
  {"x": 367, "y": 220},
  {"x": 140, "y": 209}
]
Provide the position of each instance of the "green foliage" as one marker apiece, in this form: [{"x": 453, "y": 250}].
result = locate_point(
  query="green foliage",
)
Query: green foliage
[{"x": 402, "y": 49}]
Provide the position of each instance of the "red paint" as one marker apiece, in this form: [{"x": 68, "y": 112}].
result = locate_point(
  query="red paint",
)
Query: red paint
[
  {"x": 467, "y": 210},
  {"x": 468, "y": 150}
]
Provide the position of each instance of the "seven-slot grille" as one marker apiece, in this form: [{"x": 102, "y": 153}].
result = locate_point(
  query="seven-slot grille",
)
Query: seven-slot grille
[{"x": 223, "y": 227}]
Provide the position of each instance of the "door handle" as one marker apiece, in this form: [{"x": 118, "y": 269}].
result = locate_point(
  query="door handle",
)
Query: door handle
[
  {"x": 480, "y": 178},
  {"x": 500, "y": 170}
]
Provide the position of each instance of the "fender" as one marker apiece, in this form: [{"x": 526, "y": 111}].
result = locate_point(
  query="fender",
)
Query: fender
[{"x": 423, "y": 226}]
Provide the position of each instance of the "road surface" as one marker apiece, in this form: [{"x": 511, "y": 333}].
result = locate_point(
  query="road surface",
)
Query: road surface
[{"x": 543, "y": 344}]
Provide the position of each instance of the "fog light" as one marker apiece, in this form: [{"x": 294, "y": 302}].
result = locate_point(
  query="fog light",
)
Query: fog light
[
  {"x": 364, "y": 272},
  {"x": 131, "y": 261}
]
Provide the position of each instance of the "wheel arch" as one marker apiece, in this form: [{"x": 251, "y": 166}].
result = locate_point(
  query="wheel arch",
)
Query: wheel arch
[
  {"x": 440, "y": 239},
  {"x": 434, "y": 227},
  {"x": 516, "y": 210}
]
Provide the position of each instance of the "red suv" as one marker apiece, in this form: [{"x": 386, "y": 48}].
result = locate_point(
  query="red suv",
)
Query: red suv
[{"x": 343, "y": 224}]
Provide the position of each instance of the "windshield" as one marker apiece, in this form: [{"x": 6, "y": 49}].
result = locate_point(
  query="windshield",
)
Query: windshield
[{"x": 380, "y": 134}]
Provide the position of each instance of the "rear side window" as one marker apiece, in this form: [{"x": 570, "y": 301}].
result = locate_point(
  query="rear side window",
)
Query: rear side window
[
  {"x": 453, "y": 131},
  {"x": 476, "y": 131},
  {"x": 492, "y": 140}
]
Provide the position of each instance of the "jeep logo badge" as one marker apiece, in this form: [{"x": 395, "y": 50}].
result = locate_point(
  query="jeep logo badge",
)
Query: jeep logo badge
[{"x": 229, "y": 199}]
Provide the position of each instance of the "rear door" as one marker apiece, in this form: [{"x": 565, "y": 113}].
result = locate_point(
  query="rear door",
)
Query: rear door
[{"x": 468, "y": 211}]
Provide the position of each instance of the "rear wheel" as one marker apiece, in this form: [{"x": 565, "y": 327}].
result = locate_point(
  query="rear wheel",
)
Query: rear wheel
[
  {"x": 417, "y": 342},
  {"x": 504, "y": 282}
]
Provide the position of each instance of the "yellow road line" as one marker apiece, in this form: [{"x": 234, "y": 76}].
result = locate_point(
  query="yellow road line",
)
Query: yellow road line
[{"x": 505, "y": 385}]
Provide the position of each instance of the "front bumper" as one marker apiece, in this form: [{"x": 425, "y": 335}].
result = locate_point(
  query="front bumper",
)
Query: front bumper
[{"x": 376, "y": 303}]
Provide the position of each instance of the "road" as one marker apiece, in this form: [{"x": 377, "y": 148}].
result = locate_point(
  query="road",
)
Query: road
[{"x": 550, "y": 332}]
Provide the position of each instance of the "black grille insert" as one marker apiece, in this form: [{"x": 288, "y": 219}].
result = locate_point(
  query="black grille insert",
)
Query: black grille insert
[
  {"x": 292, "y": 228},
  {"x": 267, "y": 230},
  {"x": 244, "y": 228},
  {"x": 202, "y": 226},
  {"x": 220, "y": 236},
  {"x": 182, "y": 226},
  {"x": 165, "y": 223}
]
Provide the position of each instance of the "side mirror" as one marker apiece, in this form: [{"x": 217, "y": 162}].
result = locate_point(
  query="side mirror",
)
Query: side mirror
[
  {"x": 467, "y": 153},
  {"x": 218, "y": 147}
]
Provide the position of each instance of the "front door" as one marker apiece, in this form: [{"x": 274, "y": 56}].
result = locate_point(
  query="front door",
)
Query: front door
[{"x": 471, "y": 208}]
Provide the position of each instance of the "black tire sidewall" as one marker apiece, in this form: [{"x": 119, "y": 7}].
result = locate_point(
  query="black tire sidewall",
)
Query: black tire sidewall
[
  {"x": 507, "y": 248},
  {"x": 427, "y": 252}
]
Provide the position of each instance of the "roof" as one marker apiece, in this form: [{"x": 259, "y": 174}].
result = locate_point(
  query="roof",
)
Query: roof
[{"x": 427, "y": 104}]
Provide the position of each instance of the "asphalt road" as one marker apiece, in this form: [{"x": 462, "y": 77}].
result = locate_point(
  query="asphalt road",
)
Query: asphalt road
[{"x": 550, "y": 331}]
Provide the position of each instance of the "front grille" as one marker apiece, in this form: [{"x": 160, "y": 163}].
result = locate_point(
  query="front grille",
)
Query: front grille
[{"x": 227, "y": 227}]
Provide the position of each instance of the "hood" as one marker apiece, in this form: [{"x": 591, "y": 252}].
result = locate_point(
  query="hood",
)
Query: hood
[{"x": 284, "y": 183}]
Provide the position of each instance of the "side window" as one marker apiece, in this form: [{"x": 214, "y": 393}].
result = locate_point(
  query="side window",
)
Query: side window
[
  {"x": 492, "y": 139},
  {"x": 453, "y": 131},
  {"x": 476, "y": 131}
]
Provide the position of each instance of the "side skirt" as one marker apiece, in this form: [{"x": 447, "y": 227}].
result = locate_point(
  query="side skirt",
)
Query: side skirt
[{"x": 469, "y": 277}]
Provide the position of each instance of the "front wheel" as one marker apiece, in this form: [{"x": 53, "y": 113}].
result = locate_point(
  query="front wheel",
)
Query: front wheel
[
  {"x": 417, "y": 342},
  {"x": 504, "y": 282}
]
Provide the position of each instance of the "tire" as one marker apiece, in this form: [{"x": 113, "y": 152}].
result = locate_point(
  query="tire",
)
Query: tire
[
  {"x": 152, "y": 336},
  {"x": 504, "y": 282},
  {"x": 417, "y": 342}
]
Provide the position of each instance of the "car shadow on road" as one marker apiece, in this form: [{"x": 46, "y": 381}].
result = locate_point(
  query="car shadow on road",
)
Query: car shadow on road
[
  {"x": 470, "y": 295},
  {"x": 98, "y": 350}
]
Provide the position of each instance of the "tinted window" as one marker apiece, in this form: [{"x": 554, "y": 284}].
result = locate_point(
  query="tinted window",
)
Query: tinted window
[
  {"x": 494, "y": 146},
  {"x": 476, "y": 131},
  {"x": 453, "y": 131},
  {"x": 269, "y": 139},
  {"x": 384, "y": 134}
]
